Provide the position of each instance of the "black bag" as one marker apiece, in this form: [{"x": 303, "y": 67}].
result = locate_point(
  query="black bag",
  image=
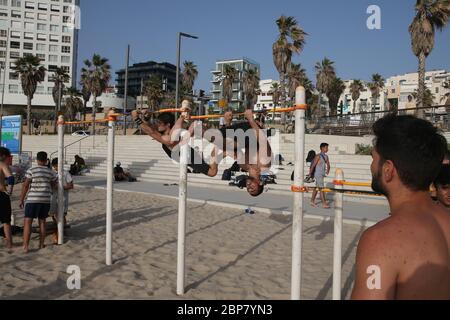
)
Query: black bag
[{"x": 226, "y": 176}]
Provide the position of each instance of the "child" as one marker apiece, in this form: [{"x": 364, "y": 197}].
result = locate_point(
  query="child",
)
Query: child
[{"x": 68, "y": 185}]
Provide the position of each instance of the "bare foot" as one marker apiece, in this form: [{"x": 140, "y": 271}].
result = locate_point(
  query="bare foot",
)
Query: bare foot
[
  {"x": 313, "y": 205},
  {"x": 325, "y": 206},
  {"x": 25, "y": 250}
]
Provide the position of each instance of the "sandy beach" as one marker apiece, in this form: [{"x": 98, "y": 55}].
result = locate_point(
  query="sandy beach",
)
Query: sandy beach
[{"x": 230, "y": 255}]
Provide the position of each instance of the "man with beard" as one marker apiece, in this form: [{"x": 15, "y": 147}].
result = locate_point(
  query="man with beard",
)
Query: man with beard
[{"x": 406, "y": 256}]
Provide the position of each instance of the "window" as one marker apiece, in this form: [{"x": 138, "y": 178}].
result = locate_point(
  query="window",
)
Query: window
[
  {"x": 41, "y": 37},
  {"x": 392, "y": 90},
  {"x": 3, "y": 13},
  {"x": 53, "y": 48},
  {"x": 41, "y": 56},
  {"x": 13, "y": 76},
  {"x": 55, "y": 8},
  {"x": 16, "y": 3},
  {"x": 29, "y": 15},
  {"x": 437, "y": 89},
  {"x": 65, "y": 49},
  {"x": 42, "y": 16},
  {"x": 54, "y": 38},
  {"x": 13, "y": 88},
  {"x": 29, "y": 26},
  {"x": 65, "y": 59},
  {"x": 52, "y": 58},
  {"x": 28, "y": 35},
  {"x": 15, "y": 45},
  {"x": 3, "y": 44},
  {"x": 27, "y": 46},
  {"x": 3, "y": 33},
  {"x": 29, "y": 5},
  {"x": 54, "y": 18},
  {"x": 16, "y": 25},
  {"x": 66, "y": 69},
  {"x": 15, "y": 34},
  {"x": 14, "y": 54},
  {"x": 43, "y": 6},
  {"x": 52, "y": 68},
  {"x": 53, "y": 28},
  {"x": 40, "y": 47},
  {"x": 4, "y": 3},
  {"x": 2, "y": 54},
  {"x": 65, "y": 29},
  {"x": 66, "y": 39},
  {"x": 41, "y": 27},
  {"x": 16, "y": 14}
]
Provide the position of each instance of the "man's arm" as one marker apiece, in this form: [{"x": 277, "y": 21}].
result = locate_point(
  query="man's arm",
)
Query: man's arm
[
  {"x": 9, "y": 177},
  {"x": 328, "y": 166},
  {"x": 23, "y": 194},
  {"x": 376, "y": 273},
  {"x": 260, "y": 135},
  {"x": 151, "y": 131}
]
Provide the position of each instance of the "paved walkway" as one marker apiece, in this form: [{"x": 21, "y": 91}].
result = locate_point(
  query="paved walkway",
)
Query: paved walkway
[{"x": 356, "y": 212}]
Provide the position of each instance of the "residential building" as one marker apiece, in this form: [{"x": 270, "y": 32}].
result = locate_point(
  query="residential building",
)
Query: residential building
[
  {"x": 265, "y": 98},
  {"x": 237, "y": 102},
  {"x": 46, "y": 28},
  {"x": 365, "y": 102}
]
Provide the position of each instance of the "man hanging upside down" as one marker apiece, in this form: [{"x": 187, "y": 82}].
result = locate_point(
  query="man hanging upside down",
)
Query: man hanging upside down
[{"x": 162, "y": 132}]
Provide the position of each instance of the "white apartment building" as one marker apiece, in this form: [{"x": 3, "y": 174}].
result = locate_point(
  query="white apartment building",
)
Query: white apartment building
[
  {"x": 265, "y": 98},
  {"x": 400, "y": 87},
  {"x": 46, "y": 28},
  {"x": 365, "y": 102}
]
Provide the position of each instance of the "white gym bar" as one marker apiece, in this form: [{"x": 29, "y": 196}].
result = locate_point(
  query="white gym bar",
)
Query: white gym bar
[
  {"x": 110, "y": 189},
  {"x": 60, "y": 180},
  {"x": 298, "y": 209},
  {"x": 337, "y": 252},
  {"x": 182, "y": 200}
]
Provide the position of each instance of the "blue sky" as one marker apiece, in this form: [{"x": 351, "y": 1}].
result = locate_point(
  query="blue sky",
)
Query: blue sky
[{"x": 229, "y": 29}]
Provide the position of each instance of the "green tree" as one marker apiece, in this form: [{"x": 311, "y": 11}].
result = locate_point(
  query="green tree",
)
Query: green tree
[
  {"x": 355, "y": 89},
  {"x": 251, "y": 87}
]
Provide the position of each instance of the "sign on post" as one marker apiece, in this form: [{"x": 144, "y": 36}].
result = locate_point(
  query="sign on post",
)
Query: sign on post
[{"x": 12, "y": 133}]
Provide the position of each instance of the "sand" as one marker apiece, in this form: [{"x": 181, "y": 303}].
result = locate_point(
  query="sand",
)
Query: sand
[{"x": 230, "y": 255}]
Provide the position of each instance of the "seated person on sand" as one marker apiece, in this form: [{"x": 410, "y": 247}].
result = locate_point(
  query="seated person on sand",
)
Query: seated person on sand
[
  {"x": 163, "y": 131},
  {"x": 78, "y": 166},
  {"x": 121, "y": 175}
]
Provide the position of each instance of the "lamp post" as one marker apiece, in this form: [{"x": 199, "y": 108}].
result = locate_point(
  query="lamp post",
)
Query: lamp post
[{"x": 177, "y": 85}]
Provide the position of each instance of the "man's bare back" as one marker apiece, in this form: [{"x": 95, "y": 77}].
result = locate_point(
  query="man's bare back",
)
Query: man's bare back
[{"x": 411, "y": 250}]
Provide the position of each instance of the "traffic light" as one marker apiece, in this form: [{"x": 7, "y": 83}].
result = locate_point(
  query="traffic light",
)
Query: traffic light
[{"x": 201, "y": 94}]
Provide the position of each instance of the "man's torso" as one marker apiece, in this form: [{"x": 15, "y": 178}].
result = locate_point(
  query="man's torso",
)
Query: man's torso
[{"x": 40, "y": 187}]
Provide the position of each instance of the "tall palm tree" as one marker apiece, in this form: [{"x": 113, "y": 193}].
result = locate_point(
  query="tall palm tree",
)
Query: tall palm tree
[
  {"x": 428, "y": 97},
  {"x": 96, "y": 75},
  {"x": 251, "y": 87},
  {"x": 290, "y": 41},
  {"x": 335, "y": 91},
  {"x": 295, "y": 78},
  {"x": 31, "y": 72},
  {"x": 59, "y": 77},
  {"x": 73, "y": 103},
  {"x": 230, "y": 76},
  {"x": 189, "y": 75},
  {"x": 355, "y": 89},
  {"x": 325, "y": 74},
  {"x": 86, "y": 94},
  {"x": 430, "y": 15},
  {"x": 375, "y": 87},
  {"x": 154, "y": 92}
]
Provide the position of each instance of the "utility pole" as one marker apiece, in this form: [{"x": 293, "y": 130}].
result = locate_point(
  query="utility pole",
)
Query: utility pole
[
  {"x": 4, "y": 85},
  {"x": 125, "y": 106}
]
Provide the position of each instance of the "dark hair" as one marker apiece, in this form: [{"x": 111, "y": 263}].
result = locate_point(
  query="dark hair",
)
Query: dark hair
[
  {"x": 447, "y": 155},
  {"x": 54, "y": 162},
  {"x": 4, "y": 152},
  {"x": 414, "y": 146},
  {"x": 443, "y": 179},
  {"x": 42, "y": 156},
  {"x": 324, "y": 145},
  {"x": 167, "y": 118},
  {"x": 311, "y": 156}
]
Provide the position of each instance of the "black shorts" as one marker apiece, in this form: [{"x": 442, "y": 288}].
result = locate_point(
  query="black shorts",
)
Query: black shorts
[
  {"x": 37, "y": 210},
  {"x": 196, "y": 161},
  {"x": 5, "y": 208}
]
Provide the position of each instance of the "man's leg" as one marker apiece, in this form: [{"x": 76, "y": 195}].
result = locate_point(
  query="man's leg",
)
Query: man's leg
[
  {"x": 27, "y": 233},
  {"x": 8, "y": 235},
  {"x": 313, "y": 198},
  {"x": 324, "y": 200},
  {"x": 42, "y": 233}
]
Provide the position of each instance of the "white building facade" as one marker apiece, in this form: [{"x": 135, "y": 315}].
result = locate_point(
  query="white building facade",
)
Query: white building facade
[
  {"x": 365, "y": 102},
  {"x": 265, "y": 98},
  {"x": 46, "y": 28}
]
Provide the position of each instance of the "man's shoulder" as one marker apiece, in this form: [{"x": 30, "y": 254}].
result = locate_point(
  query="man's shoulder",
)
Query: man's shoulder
[{"x": 382, "y": 235}]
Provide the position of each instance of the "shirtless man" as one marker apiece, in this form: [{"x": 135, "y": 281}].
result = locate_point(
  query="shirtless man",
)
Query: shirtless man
[
  {"x": 163, "y": 132},
  {"x": 5, "y": 201},
  {"x": 406, "y": 256}
]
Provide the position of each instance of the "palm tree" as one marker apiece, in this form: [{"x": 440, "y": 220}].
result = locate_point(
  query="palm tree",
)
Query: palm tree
[
  {"x": 335, "y": 91},
  {"x": 86, "y": 94},
  {"x": 73, "y": 103},
  {"x": 325, "y": 74},
  {"x": 430, "y": 15},
  {"x": 428, "y": 97},
  {"x": 230, "y": 75},
  {"x": 296, "y": 77},
  {"x": 251, "y": 87},
  {"x": 95, "y": 77},
  {"x": 355, "y": 89},
  {"x": 189, "y": 75},
  {"x": 31, "y": 72},
  {"x": 60, "y": 77},
  {"x": 375, "y": 87},
  {"x": 291, "y": 40},
  {"x": 275, "y": 91},
  {"x": 154, "y": 92}
]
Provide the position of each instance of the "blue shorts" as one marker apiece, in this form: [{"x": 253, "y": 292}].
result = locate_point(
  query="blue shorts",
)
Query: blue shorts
[{"x": 37, "y": 210}]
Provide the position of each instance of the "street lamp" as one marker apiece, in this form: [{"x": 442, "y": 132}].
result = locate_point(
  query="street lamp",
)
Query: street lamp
[{"x": 180, "y": 34}]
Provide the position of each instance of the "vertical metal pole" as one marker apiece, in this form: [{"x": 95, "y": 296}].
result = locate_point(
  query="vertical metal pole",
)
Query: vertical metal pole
[
  {"x": 125, "y": 106},
  {"x": 297, "y": 223},
  {"x": 4, "y": 85},
  {"x": 109, "y": 191},
  {"x": 182, "y": 199},
  {"x": 177, "y": 85},
  {"x": 337, "y": 253},
  {"x": 60, "y": 180}
]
